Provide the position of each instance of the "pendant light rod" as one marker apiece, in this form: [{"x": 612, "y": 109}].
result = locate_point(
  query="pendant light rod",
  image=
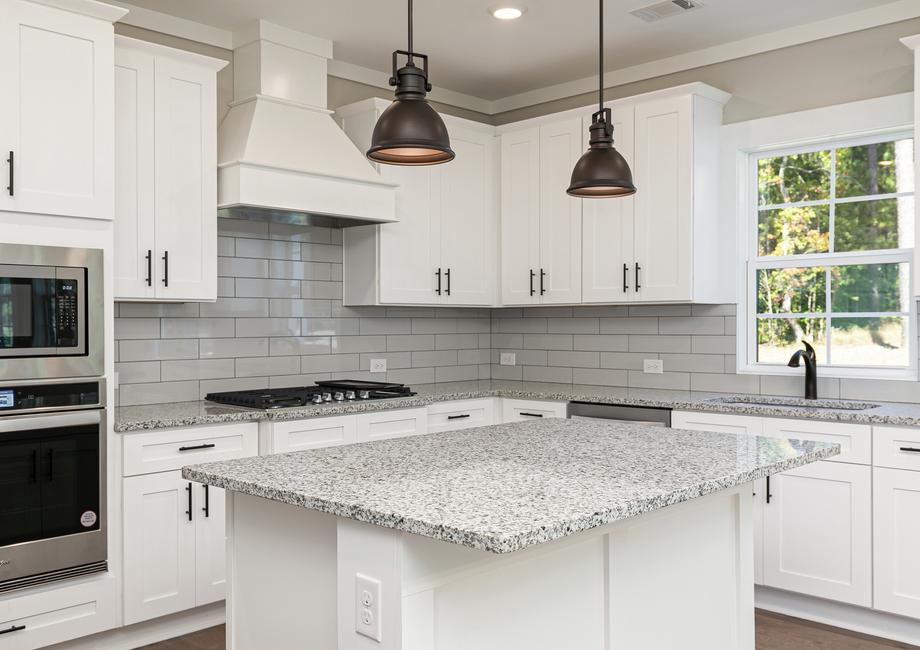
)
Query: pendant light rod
[
  {"x": 600, "y": 56},
  {"x": 410, "y": 31}
]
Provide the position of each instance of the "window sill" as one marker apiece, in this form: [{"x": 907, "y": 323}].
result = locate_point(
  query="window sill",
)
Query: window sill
[{"x": 883, "y": 374}]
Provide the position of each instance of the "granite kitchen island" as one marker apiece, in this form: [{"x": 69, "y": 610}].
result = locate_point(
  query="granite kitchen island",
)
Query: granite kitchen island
[{"x": 541, "y": 535}]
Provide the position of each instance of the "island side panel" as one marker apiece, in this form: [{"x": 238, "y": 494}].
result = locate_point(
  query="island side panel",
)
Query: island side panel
[{"x": 281, "y": 575}]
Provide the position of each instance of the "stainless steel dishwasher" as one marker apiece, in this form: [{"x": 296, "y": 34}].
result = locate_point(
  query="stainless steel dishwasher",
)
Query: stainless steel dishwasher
[{"x": 659, "y": 417}]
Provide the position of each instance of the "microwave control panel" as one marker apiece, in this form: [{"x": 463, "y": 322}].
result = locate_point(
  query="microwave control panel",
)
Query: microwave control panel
[{"x": 68, "y": 310}]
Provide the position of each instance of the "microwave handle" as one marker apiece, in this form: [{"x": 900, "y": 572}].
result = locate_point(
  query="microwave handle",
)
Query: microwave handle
[{"x": 57, "y": 420}]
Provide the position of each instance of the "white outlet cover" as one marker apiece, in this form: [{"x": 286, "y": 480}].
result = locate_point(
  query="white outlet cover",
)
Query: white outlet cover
[
  {"x": 653, "y": 366},
  {"x": 508, "y": 359},
  {"x": 367, "y": 606},
  {"x": 378, "y": 365}
]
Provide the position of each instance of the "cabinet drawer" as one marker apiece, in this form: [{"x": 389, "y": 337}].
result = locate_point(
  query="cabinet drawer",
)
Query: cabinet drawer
[
  {"x": 855, "y": 440},
  {"x": 391, "y": 424},
  {"x": 896, "y": 447},
  {"x": 313, "y": 433},
  {"x": 56, "y": 614},
  {"x": 450, "y": 416},
  {"x": 519, "y": 410},
  {"x": 702, "y": 421},
  {"x": 161, "y": 451}
]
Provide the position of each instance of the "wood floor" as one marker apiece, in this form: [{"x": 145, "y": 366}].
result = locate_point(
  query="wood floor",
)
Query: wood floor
[{"x": 774, "y": 632}]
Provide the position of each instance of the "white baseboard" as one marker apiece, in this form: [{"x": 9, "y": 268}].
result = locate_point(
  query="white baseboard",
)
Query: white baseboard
[
  {"x": 848, "y": 617},
  {"x": 153, "y": 631}
]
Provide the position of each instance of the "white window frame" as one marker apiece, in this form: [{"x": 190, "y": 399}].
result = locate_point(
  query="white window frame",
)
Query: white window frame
[{"x": 845, "y": 125}]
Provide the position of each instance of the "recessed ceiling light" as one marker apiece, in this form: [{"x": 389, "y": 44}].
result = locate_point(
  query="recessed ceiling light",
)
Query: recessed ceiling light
[{"x": 507, "y": 13}]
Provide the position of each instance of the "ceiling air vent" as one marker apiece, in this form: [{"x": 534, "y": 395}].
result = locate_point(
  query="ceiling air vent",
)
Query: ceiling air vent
[{"x": 665, "y": 9}]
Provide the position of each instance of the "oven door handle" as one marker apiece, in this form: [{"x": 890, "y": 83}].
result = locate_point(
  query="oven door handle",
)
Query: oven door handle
[{"x": 31, "y": 422}]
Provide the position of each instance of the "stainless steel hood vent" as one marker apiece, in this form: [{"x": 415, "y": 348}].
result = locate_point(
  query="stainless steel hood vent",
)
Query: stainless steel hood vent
[{"x": 281, "y": 156}]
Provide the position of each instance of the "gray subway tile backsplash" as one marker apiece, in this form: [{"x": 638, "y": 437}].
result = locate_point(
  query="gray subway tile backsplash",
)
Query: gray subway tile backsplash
[{"x": 279, "y": 321}]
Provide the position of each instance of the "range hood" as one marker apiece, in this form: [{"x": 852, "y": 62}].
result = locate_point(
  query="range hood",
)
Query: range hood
[{"x": 281, "y": 156}]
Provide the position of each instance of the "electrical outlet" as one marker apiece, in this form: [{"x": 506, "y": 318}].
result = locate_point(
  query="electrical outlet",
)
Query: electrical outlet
[
  {"x": 653, "y": 366},
  {"x": 378, "y": 365},
  {"x": 508, "y": 359},
  {"x": 367, "y": 606}
]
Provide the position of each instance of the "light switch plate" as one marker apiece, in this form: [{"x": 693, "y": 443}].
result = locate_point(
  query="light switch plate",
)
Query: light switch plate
[
  {"x": 508, "y": 359},
  {"x": 367, "y": 606},
  {"x": 378, "y": 365},
  {"x": 653, "y": 366}
]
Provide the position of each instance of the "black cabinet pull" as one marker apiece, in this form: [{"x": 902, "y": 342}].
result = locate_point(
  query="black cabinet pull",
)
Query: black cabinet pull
[
  {"x": 13, "y": 628},
  {"x": 447, "y": 273},
  {"x": 542, "y": 277},
  {"x": 438, "y": 290},
  {"x": 458, "y": 417},
  {"x": 188, "y": 488},
  {"x": 531, "y": 415},
  {"x": 165, "y": 268},
  {"x": 207, "y": 501},
  {"x": 769, "y": 494},
  {"x": 532, "y": 276},
  {"x": 207, "y": 445},
  {"x": 149, "y": 268},
  {"x": 913, "y": 450},
  {"x": 638, "y": 268},
  {"x": 625, "y": 273},
  {"x": 9, "y": 188}
]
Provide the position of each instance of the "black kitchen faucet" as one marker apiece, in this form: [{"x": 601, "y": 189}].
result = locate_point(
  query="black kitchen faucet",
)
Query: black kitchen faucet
[{"x": 811, "y": 366}]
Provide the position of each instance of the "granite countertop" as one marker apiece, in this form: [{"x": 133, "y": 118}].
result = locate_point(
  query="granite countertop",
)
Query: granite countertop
[
  {"x": 505, "y": 487},
  {"x": 158, "y": 416}
]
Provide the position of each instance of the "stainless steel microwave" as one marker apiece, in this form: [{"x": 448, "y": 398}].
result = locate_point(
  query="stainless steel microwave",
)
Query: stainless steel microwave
[{"x": 51, "y": 312}]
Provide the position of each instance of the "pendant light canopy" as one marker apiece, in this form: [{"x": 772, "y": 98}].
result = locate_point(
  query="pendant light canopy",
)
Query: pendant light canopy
[
  {"x": 410, "y": 131},
  {"x": 601, "y": 171}
]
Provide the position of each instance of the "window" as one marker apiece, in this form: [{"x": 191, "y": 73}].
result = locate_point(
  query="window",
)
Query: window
[{"x": 830, "y": 257}]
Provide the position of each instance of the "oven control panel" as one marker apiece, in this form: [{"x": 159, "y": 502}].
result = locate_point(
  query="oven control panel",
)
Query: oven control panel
[{"x": 25, "y": 397}]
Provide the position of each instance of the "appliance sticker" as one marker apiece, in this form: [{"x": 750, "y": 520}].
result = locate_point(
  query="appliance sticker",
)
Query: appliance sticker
[{"x": 88, "y": 519}]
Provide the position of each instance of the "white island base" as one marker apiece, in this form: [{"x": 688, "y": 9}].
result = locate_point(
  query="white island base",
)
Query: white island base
[{"x": 678, "y": 577}]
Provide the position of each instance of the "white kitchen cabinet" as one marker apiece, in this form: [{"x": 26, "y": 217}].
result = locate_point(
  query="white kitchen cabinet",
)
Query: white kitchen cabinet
[
  {"x": 855, "y": 440},
  {"x": 522, "y": 410},
  {"x": 896, "y": 542},
  {"x": 818, "y": 532},
  {"x": 166, "y": 173},
  {"x": 664, "y": 244},
  {"x": 210, "y": 543},
  {"x": 381, "y": 425},
  {"x": 541, "y": 224},
  {"x": 443, "y": 249},
  {"x": 313, "y": 433},
  {"x": 464, "y": 414},
  {"x": 896, "y": 447},
  {"x": 55, "y": 119}
]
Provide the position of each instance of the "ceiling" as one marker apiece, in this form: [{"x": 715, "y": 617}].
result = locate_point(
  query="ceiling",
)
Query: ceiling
[{"x": 475, "y": 54}]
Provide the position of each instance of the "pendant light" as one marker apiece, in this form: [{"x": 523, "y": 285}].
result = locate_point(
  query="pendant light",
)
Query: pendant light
[
  {"x": 601, "y": 171},
  {"x": 410, "y": 131}
]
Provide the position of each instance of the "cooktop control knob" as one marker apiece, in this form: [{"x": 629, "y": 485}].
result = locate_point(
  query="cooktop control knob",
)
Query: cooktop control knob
[
  {"x": 364, "y": 394},
  {"x": 327, "y": 397},
  {"x": 349, "y": 394},
  {"x": 317, "y": 399},
  {"x": 339, "y": 397}
]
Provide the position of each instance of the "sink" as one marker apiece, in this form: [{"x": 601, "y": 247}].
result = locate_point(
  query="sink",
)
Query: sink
[{"x": 794, "y": 402}]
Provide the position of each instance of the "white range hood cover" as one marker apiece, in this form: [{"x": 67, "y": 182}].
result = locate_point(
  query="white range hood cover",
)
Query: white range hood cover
[{"x": 281, "y": 156}]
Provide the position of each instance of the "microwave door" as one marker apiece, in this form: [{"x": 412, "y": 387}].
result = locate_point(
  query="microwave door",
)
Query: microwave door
[{"x": 28, "y": 311}]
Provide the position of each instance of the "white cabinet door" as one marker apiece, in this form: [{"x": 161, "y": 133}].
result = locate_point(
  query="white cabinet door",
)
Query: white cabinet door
[
  {"x": 520, "y": 216},
  {"x": 608, "y": 258},
  {"x": 134, "y": 175},
  {"x": 559, "y": 278},
  {"x": 663, "y": 176},
  {"x": 210, "y": 543},
  {"x": 466, "y": 414},
  {"x": 159, "y": 545},
  {"x": 468, "y": 226},
  {"x": 855, "y": 440},
  {"x": 818, "y": 532},
  {"x": 186, "y": 181},
  {"x": 57, "y": 114},
  {"x": 313, "y": 433},
  {"x": 410, "y": 250},
  {"x": 721, "y": 422},
  {"x": 391, "y": 424},
  {"x": 897, "y": 541},
  {"x": 520, "y": 410}
]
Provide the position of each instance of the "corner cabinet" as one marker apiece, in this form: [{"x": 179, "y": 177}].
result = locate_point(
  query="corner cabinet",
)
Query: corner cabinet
[
  {"x": 166, "y": 173},
  {"x": 55, "y": 124},
  {"x": 664, "y": 244},
  {"x": 443, "y": 249}
]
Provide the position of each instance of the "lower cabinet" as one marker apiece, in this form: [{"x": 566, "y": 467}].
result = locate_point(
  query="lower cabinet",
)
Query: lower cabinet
[
  {"x": 897, "y": 541},
  {"x": 391, "y": 424},
  {"x": 519, "y": 410},
  {"x": 174, "y": 545},
  {"x": 466, "y": 414},
  {"x": 817, "y": 532},
  {"x": 313, "y": 433}
]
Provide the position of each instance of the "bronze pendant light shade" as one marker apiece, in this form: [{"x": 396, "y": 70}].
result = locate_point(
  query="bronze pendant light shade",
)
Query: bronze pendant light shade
[
  {"x": 410, "y": 131},
  {"x": 601, "y": 172}
]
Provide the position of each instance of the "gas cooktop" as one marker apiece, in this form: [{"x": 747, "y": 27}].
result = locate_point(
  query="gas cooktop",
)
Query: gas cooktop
[{"x": 324, "y": 392}]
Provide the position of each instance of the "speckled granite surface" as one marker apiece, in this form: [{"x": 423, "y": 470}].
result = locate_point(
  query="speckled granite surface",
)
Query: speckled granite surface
[
  {"x": 138, "y": 418},
  {"x": 505, "y": 487}
]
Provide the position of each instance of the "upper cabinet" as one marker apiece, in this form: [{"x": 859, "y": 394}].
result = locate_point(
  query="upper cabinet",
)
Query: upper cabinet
[
  {"x": 443, "y": 249},
  {"x": 541, "y": 224},
  {"x": 55, "y": 123},
  {"x": 166, "y": 173}
]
